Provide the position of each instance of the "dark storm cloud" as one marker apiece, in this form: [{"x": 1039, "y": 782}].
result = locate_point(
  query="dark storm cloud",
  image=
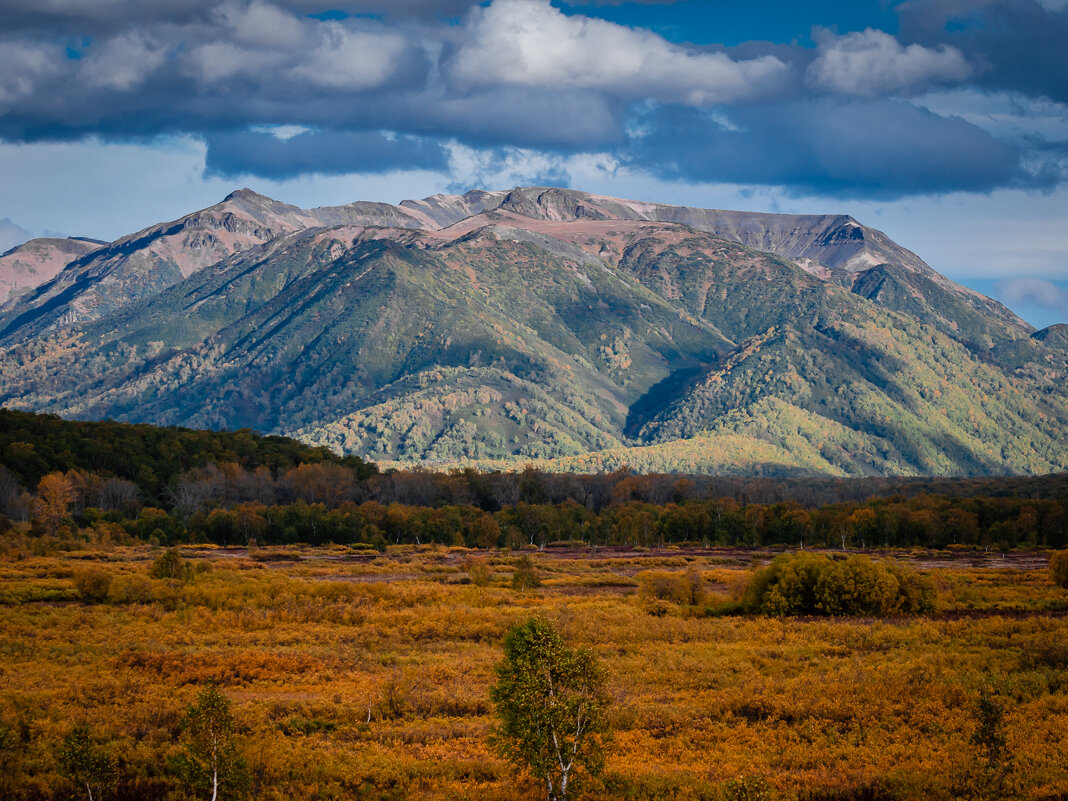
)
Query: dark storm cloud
[
  {"x": 859, "y": 148},
  {"x": 523, "y": 73},
  {"x": 324, "y": 152},
  {"x": 78, "y": 17},
  {"x": 1016, "y": 45}
]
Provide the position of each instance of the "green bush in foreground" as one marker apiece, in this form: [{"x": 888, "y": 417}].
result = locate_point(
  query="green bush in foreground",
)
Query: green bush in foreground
[
  {"x": 550, "y": 700},
  {"x": 811, "y": 584}
]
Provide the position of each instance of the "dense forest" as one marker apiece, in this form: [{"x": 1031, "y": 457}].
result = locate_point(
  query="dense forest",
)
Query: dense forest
[
  {"x": 152, "y": 457},
  {"x": 72, "y": 481}
]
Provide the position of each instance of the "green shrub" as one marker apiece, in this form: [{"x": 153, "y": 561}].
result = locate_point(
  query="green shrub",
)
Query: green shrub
[
  {"x": 1058, "y": 568},
  {"x": 682, "y": 588},
  {"x": 92, "y": 584},
  {"x": 171, "y": 565},
  {"x": 811, "y": 584},
  {"x": 132, "y": 589},
  {"x": 525, "y": 576},
  {"x": 477, "y": 571}
]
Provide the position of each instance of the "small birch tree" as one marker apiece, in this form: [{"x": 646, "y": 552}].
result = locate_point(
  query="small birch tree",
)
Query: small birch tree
[
  {"x": 85, "y": 763},
  {"x": 211, "y": 766},
  {"x": 550, "y": 700}
]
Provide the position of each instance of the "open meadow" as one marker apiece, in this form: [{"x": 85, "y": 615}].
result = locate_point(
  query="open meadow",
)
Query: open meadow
[{"x": 359, "y": 674}]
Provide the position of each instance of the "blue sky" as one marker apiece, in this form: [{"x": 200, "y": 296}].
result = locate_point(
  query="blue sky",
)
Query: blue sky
[{"x": 942, "y": 122}]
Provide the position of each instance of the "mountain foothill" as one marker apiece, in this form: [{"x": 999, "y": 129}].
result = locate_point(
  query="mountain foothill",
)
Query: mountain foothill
[{"x": 539, "y": 326}]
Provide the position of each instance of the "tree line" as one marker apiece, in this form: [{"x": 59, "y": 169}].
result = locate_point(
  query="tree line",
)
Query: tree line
[
  {"x": 310, "y": 508},
  {"x": 112, "y": 481}
]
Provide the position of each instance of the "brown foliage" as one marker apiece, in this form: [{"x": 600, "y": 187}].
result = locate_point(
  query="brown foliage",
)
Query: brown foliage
[
  {"x": 308, "y": 646},
  {"x": 55, "y": 493}
]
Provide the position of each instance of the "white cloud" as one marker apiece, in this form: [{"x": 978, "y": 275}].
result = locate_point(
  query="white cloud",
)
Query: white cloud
[
  {"x": 872, "y": 62},
  {"x": 351, "y": 60},
  {"x": 503, "y": 168},
  {"x": 531, "y": 43},
  {"x": 272, "y": 48},
  {"x": 11, "y": 235},
  {"x": 283, "y": 132},
  {"x": 125, "y": 62},
  {"x": 259, "y": 25},
  {"x": 1034, "y": 292},
  {"x": 23, "y": 66},
  {"x": 219, "y": 61}
]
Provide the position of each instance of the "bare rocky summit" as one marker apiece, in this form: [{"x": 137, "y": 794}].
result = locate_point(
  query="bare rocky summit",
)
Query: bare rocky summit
[{"x": 39, "y": 260}]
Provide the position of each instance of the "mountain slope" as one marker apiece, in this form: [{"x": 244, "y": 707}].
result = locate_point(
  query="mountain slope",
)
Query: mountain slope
[
  {"x": 487, "y": 341},
  {"x": 499, "y": 327},
  {"x": 835, "y": 247},
  {"x": 144, "y": 264},
  {"x": 32, "y": 263}
]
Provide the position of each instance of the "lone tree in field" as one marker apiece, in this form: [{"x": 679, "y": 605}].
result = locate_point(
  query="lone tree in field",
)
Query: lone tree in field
[
  {"x": 211, "y": 766},
  {"x": 550, "y": 700}
]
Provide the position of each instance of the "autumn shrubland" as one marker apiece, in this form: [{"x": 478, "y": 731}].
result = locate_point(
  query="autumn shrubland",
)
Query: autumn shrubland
[
  {"x": 808, "y": 639},
  {"x": 359, "y": 673}
]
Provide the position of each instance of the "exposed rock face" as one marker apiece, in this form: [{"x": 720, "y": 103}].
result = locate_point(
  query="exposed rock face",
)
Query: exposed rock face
[
  {"x": 32, "y": 263},
  {"x": 144, "y": 264},
  {"x": 444, "y": 210}
]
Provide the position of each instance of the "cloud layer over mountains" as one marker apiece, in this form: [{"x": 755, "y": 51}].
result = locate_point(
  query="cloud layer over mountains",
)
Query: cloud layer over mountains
[{"x": 294, "y": 87}]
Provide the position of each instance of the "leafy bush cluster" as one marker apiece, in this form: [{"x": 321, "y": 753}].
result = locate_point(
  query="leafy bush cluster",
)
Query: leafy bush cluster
[
  {"x": 1058, "y": 568},
  {"x": 815, "y": 584},
  {"x": 685, "y": 588}
]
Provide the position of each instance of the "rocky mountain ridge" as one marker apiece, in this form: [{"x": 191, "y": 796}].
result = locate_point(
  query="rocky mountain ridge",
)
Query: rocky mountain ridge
[
  {"x": 143, "y": 264},
  {"x": 836, "y": 247},
  {"x": 551, "y": 325},
  {"x": 32, "y": 263}
]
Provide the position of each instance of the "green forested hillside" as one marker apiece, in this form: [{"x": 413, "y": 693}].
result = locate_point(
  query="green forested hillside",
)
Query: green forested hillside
[
  {"x": 578, "y": 343},
  {"x": 149, "y": 456}
]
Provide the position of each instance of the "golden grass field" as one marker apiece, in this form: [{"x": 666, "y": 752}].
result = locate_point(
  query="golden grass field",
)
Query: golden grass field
[{"x": 359, "y": 675}]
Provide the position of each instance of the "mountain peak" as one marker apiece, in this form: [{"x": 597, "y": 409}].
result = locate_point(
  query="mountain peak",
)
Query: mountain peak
[
  {"x": 247, "y": 194},
  {"x": 542, "y": 322}
]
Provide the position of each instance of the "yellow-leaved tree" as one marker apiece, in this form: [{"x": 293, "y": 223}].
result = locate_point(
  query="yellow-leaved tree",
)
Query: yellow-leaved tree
[{"x": 52, "y": 504}]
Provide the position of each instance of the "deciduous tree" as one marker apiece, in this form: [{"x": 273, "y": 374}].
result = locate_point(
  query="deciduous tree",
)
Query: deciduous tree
[
  {"x": 550, "y": 700},
  {"x": 211, "y": 765},
  {"x": 52, "y": 505},
  {"x": 85, "y": 763}
]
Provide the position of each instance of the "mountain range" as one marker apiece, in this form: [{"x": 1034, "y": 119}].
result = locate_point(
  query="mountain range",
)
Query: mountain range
[{"x": 541, "y": 325}]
